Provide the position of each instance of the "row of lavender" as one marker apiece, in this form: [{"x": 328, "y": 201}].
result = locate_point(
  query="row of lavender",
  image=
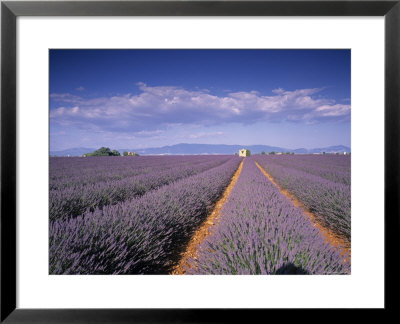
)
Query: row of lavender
[
  {"x": 147, "y": 174},
  {"x": 261, "y": 232},
  {"x": 335, "y": 168},
  {"x": 329, "y": 199},
  {"x": 144, "y": 235},
  {"x": 77, "y": 171}
]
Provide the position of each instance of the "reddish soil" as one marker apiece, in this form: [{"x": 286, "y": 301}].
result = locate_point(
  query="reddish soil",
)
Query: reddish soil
[
  {"x": 337, "y": 241},
  {"x": 205, "y": 229}
]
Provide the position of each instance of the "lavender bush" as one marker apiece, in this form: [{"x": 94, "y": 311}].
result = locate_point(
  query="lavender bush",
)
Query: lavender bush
[
  {"x": 261, "y": 232},
  {"x": 335, "y": 168},
  {"x": 144, "y": 235},
  {"x": 77, "y": 171},
  {"x": 328, "y": 200},
  {"x": 70, "y": 199}
]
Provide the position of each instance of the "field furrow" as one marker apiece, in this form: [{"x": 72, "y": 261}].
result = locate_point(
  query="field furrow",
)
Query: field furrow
[
  {"x": 145, "y": 235},
  {"x": 75, "y": 200},
  {"x": 261, "y": 232},
  {"x": 212, "y": 220},
  {"x": 329, "y": 201},
  {"x": 330, "y": 237}
]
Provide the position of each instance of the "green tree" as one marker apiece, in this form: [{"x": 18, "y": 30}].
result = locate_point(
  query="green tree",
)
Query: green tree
[
  {"x": 262, "y": 152},
  {"x": 248, "y": 152},
  {"x": 125, "y": 153},
  {"x": 104, "y": 151},
  {"x": 272, "y": 153}
]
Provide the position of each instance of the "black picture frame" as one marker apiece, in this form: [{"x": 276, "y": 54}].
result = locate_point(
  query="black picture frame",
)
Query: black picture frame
[{"x": 10, "y": 10}]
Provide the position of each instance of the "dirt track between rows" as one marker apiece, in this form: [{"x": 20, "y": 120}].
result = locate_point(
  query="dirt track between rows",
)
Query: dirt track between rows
[
  {"x": 205, "y": 229},
  {"x": 329, "y": 236}
]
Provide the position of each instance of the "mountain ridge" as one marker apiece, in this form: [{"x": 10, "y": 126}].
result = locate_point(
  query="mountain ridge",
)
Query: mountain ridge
[{"x": 195, "y": 149}]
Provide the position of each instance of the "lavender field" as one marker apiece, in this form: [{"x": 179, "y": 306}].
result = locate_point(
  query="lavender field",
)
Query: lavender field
[
  {"x": 137, "y": 215},
  {"x": 321, "y": 182},
  {"x": 78, "y": 185},
  {"x": 138, "y": 232},
  {"x": 261, "y": 232}
]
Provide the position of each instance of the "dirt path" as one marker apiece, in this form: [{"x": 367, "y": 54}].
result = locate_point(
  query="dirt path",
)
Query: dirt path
[
  {"x": 329, "y": 236},
  {"x": 204, "y": 230}
]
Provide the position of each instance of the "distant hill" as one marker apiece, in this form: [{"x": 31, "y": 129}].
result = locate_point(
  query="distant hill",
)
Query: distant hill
[
  {"x": 194, "y": 149},
  {"x": 76, "y": 151},
  {"x": 331, "y": 149}
]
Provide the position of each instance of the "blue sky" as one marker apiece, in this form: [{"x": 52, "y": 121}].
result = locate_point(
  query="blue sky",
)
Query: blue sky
[{"x": 151, "y": 98}]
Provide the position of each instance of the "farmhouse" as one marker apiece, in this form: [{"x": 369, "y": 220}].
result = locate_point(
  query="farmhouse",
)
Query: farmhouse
[
  {"x": 244, "y": 152},
  {"x": 132, "y": 154}
]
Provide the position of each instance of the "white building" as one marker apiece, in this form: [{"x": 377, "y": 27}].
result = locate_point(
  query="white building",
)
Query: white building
[{"x": 242, "y": 152}]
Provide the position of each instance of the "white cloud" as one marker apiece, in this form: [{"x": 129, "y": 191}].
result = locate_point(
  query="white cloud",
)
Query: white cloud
[
  {"x": 333, "y": 110},
  {"x": 149, "y": 133},
  {"x": 206, "y": 134},
  {"x": 160, "y": 106}
]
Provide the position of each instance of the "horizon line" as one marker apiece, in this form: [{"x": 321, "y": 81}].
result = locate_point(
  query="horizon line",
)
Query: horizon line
[{"x": 156, "y": 147}]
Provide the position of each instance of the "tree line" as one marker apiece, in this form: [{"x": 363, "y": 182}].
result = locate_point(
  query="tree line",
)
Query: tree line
[{"x": 106, "y": 151}]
